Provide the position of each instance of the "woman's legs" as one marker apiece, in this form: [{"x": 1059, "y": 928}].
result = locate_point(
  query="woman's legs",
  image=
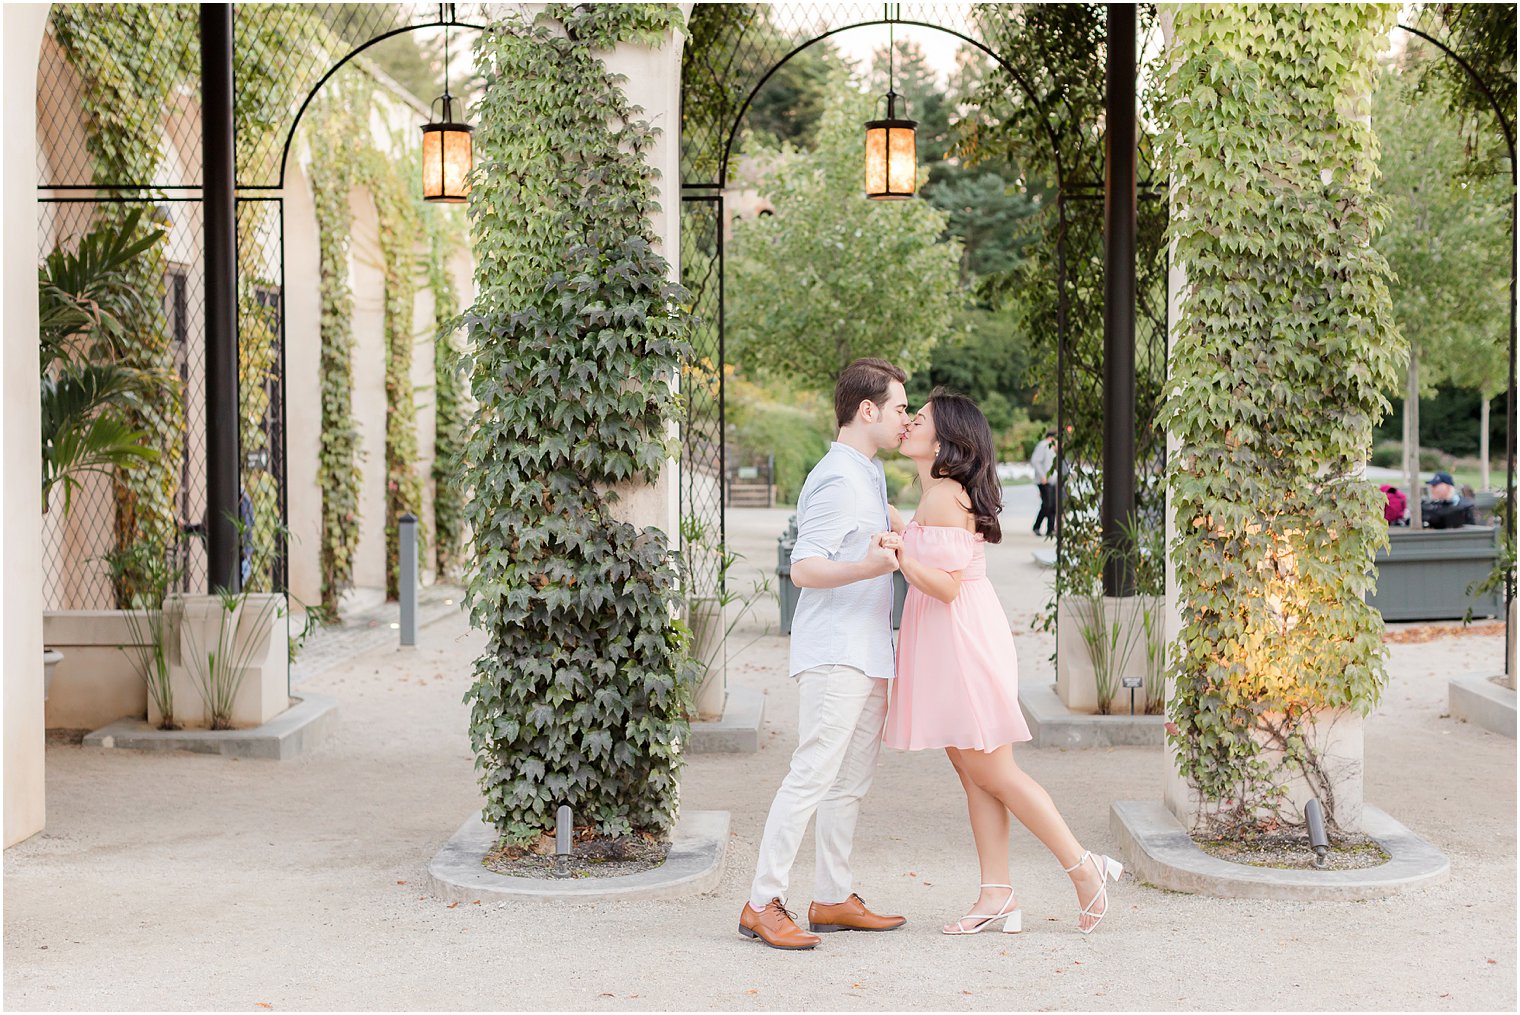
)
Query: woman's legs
[
  {"x": 989, "y": 829},
  {"x": 996, "y": 773}
]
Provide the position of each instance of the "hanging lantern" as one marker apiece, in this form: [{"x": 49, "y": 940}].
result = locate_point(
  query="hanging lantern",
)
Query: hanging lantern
[
  {"x": 447, "y": 157},
  {"x": 891, "y": 144},
  {"x": 891, "y": 155},
  {"x": 448, "y": 152}
]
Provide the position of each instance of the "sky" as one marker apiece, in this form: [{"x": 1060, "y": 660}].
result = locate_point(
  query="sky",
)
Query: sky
[{"x": 939, "y": 47}]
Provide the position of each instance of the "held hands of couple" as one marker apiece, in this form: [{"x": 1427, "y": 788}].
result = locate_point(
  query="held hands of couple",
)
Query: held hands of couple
[{"x": 884, "y": 550}]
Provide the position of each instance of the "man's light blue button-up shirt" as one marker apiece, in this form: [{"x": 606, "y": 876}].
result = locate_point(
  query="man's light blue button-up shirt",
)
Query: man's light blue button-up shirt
[{"x": 842, "y": 505}]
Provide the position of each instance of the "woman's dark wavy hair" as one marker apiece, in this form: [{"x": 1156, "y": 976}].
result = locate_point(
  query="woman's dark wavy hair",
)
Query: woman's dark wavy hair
[{"x": 966, "y": 455}]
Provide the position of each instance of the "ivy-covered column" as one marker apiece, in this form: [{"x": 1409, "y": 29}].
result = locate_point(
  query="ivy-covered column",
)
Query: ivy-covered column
[
  {"x": 577, "y": 336},
  {"x": 1283, "y": 348}
]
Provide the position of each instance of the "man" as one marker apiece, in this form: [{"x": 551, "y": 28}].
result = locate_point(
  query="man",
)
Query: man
[
  {"x": 1446, "y": 509},
  {"x": 842, "y": 658},
  {"x": 1042, "y": 461}
]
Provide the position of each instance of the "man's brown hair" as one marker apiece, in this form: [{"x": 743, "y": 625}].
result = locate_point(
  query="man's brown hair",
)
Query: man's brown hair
[{"x": 863, "y": 380}]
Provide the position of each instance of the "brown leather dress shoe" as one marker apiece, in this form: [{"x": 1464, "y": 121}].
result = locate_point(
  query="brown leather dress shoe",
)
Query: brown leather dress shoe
[
  {"x": 851, "y": 914},
  {"x": 776, "y": 927}
]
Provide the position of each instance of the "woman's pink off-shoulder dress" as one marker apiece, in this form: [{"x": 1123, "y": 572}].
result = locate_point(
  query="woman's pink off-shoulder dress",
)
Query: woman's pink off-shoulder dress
[{"x": 957, "y": 679}]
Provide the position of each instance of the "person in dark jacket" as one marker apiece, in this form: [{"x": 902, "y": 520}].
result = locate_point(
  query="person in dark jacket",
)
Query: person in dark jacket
[{"x": 1446, "y": 509}]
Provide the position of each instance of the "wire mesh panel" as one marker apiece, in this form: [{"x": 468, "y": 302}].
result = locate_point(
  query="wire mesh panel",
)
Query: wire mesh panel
[
  {"x": 92, "y": 71},
  {"x": 106, "y": 516},
  {"x": 702, "y": 443},
  {"x": 732, "y": 48},
  {"x": 282, "y": 54},
  {"x": 261, "y": 391},
  {"x": 1049, "y": 94}
]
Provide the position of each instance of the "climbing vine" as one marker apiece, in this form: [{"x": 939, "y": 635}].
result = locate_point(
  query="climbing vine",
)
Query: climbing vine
[
  {"x": 339, "y": 475},
  {"x": 450, "y": 399},
  {"x": 1284, "y": 348},
  {"x": 400, "y": 223},
  {"x": 130, "y": 59},
  {"x": 577, "y": 335}
]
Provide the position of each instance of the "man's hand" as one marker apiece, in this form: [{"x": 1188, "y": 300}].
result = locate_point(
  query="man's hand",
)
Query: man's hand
[{"x": 883, "y": 552}]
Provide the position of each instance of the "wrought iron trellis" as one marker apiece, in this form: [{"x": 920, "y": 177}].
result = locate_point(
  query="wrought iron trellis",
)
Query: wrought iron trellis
[
  {"x": 288, "y": 52},
  {"x": 728, "y": 61}
]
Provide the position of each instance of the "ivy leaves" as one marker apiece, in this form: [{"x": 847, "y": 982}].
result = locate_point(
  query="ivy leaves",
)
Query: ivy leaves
[
  {"x": 1284, "y": 348},
  {"x": 576, "y": 338}
]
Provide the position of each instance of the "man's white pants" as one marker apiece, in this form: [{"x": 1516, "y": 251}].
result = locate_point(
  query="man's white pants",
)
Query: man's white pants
[{"x": 841, "y": 712}]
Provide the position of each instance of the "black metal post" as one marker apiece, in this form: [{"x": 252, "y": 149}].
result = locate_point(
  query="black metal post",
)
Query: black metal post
[
  {"x": 220, "y": 211},
  {"x": 1119, "y": 218}
]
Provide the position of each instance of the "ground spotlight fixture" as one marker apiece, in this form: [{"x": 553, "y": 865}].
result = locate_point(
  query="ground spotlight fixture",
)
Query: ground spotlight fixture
[
  {"x": 891, "y": 144},
  {"x": 1314, "y": 816},
  {"x": 564, "y": 829},
  {"x": 448, "y": 152}
]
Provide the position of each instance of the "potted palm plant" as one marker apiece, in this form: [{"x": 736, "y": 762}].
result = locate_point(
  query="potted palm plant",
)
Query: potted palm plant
[{"x": 86, "y": 304}]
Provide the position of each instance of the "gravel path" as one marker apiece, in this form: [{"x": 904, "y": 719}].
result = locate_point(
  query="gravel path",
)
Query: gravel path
[{"x": 185, "y": 882}]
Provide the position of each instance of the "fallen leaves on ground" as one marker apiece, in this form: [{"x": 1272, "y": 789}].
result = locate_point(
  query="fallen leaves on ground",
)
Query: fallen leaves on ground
[
  {"x": 1434, "y": 632},
  {"x": 453, "y": 904}
]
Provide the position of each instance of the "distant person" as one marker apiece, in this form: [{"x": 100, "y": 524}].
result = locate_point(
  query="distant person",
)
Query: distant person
[
  {"x": 1446, "y": 509},
  {"x": 1043, "y": 463},
  {"x": 1396, "y": 507}
]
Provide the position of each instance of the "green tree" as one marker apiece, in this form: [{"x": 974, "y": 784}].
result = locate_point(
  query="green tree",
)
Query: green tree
[
  {"x": 989, "y": 214},
  {"x": 1484, "y": 36},
  {"x": 832, "y": 276},
  {"x": 790, "y": 105},
  {"x": 1447, "y": 239}
]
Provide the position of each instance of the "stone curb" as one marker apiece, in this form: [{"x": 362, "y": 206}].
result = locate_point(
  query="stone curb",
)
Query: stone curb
[
  {"x": 694, "y": 866},
  {"x": 1052, "y": 724},
  {"x": 738, "y": 732},
  {"x": 1480, "y": 701},
  {"x": 1160, "y": 852},
  {"x": 310, "y": 720}
]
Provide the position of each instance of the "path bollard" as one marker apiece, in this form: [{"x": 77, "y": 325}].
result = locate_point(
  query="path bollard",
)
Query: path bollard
[
  {"x": 564, "y": 830},
  {"x": 406, "y": 579}
]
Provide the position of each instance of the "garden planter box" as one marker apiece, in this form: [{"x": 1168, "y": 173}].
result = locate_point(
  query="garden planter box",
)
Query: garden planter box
[
  {"x": 1076, "y": 682},
  {"x": 1424, "y": 574},
  {"x": 707, "y": 620},
  {"x": 262, "y": 648},
  {"x": 97, "y": 681}
]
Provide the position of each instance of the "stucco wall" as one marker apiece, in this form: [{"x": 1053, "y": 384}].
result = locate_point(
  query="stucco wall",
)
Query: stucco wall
[
  {"x": 366, "y": 272},
  {"x": 20, "y": 555},
  {"x": 303, "y": 388}
]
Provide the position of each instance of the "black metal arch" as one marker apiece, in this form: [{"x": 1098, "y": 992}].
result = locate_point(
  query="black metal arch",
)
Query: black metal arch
[
  {"x": 450, "y": 22},
  {"x": 1477, "y": 79},
  {"x": 1013, "y": 72}
]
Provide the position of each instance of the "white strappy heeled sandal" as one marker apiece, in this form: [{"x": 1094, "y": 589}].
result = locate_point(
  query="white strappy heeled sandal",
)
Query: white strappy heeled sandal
[
  {"x": 1108, "y": 868},
  {"x": 1013, "y": 919}
]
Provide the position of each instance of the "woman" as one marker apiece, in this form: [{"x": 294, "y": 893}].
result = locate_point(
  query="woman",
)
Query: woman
[{"x": 957, "y": 678}]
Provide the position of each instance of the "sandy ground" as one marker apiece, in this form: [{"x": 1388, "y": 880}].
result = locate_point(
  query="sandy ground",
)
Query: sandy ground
[{"x": 185, "y": 882}]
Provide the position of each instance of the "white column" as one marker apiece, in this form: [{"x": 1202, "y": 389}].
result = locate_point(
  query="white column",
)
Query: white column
[
  {"x": 653, "y": 82},
  {"x": 21, "y": 434}
]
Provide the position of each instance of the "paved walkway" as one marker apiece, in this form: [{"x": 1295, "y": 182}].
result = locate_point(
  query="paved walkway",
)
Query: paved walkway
[
  {"x": 188, "y": 881},
  {"x": 367, "y": 630}
]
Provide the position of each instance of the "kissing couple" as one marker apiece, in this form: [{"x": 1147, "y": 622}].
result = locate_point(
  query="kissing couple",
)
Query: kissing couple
[{"x": 953, "y": 677}]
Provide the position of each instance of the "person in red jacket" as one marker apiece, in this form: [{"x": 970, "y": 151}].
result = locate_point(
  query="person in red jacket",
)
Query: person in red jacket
[{"x": 1396, "y": 507}]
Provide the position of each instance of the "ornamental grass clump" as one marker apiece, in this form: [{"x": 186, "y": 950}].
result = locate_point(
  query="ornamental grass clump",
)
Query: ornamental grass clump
[{"x": 149, "y": 625}]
